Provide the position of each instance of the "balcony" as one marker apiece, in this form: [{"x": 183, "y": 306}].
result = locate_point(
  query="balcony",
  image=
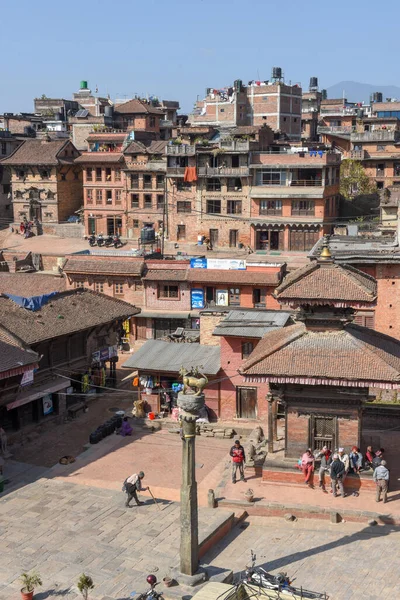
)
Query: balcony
[
  {"x": 235, "y": 145},
  {"x": 339, "y": 129},
  {"x": 153, "y": 166},
  {"x": 166, "y": 123},
  {"x": 175, "y": 171},
  {"x": 340, "y": 112},
  {"x": 357, "y": 154},
  {"x": 223, "y": 171},
  {"x": 307, "y": 182},
  {"x": 180, "y": 150},
  {"x": 381, "y": 135}
]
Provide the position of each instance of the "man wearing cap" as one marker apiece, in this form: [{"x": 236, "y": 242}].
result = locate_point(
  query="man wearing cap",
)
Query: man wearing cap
[
  {"x": 344, "y": 457},
  {"x": 133, "y": 485},
  {"x": 381, "y": 478},
  {"x": 238, "y": 460},
  {"x": 325, "y": 455}
]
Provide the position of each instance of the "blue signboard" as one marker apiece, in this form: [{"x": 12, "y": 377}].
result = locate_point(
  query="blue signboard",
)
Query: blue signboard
[
  {"x": 197, "y": 298},
  {"x": 198, "y": 263}
]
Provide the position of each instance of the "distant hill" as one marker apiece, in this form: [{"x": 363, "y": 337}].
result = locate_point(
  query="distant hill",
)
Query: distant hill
[{"x": 360, "y": 92}]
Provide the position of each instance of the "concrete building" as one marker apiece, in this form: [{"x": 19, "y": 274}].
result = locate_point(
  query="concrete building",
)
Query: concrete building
[
  {"x": 46, "y": 184},
  {"x": 310, "y": 109},
  {"x": 272, "y": 102}
]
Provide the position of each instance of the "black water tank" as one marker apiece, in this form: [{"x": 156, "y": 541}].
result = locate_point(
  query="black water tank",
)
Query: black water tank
[
  {"x": 108, "y": 111},
  {"x": 324, "y": 94},
  {"x": 238, "y": 84},
  {"x": 313, "y": 83},
  {"x": 276, "y": 73},
  {"x": 147, "y": 235}
]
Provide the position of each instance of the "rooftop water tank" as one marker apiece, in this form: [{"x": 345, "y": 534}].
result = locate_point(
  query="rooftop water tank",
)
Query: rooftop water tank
[
  {"x": 108, "y": 111},
  {"x": 276, "y": 73},
  {"x": 83, "y": 85},
  {"x": 313, "y": 83}
]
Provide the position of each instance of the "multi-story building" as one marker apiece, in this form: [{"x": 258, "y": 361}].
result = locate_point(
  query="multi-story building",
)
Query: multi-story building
[
  {"x": 249, "y": 190},
  {"x": 103, "y": 182},
  {"x": 8, "y": 144},
  {"x": 124, "y": 183},
  {"x": 273, "y": 103},
  {"x": 46, "y": 184},
  {"x": 96, "y": 105}
]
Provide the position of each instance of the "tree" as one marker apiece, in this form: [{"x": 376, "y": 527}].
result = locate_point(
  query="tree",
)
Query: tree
[{"x": 353, "y": 179}]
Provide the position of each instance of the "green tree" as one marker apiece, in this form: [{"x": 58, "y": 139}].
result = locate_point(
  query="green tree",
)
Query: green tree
[
  {"x": 85, "y": 584},
  {"x": 353, "y": 179}
]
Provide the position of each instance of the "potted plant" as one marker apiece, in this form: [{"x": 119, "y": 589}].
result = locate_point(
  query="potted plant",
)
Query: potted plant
[
  {"x": 29, "y": 582},
  {"x": 84, "y": 585}
]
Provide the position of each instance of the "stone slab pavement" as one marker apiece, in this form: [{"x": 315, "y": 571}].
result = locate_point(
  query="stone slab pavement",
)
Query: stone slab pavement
[
  {"x": 61, "y": 530},
  {"x": 347, "y": 561}
]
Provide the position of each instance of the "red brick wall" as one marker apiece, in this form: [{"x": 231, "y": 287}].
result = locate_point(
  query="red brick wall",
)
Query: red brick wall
[
  {"x": 348, "y": 430},
  {"x": 153, "y": 301},
  {"x": 297, "y": 433}
]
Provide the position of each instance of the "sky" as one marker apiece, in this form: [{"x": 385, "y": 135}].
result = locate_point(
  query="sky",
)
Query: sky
[{"x": 175, "y": 49}]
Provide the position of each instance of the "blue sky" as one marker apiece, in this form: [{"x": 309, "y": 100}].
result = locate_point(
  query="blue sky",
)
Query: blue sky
[{"x": 175, "y": 49}]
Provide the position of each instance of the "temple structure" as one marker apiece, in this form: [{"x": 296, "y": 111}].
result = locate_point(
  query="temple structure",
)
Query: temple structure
[{"x": 322, "y": 370}]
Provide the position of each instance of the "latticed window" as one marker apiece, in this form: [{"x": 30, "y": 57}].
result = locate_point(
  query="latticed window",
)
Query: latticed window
[{"x": 323, "y": 432}]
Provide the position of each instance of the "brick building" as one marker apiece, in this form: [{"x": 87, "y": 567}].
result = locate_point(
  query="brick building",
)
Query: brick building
[
  {"x": 320, "y": 370},
  {"x": 260, "y": 102},
  {"x": 247, "y": 189},
  {"x": 8, "y": 144},
  {"x": 46, "y": 183},
  {"x": 71, "y": 332},
  {"x": 381, "y": 259}
]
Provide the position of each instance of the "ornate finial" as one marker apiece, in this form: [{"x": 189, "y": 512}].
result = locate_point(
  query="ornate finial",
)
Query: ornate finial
[{"x": 325, "y": 254}]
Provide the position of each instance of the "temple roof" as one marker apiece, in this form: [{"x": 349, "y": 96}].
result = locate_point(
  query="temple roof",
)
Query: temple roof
[
  {"x": 352, "y": 356},
  {"x": 327, "y": 283}
]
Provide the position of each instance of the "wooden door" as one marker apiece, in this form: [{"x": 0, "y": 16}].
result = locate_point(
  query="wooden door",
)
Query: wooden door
[
  {"x": 297, "y": 240},
  {"x": 247, "y": 403},
  {"x": 323, "y": 432},
  {"x": 233, "y": 238},
  {"x": 214, "y": 237},
  {"x": 181, "y": 235}
]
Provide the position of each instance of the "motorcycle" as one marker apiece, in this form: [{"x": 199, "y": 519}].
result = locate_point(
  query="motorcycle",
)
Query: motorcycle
[
  {"x": 109, "y": 241},
  {"x": 151, "y": 594},
  {"x": 257, "y": 576},
  {"x": 117, "y": 241},
  {"x": 92, "y": 240},
  {"x": 100, "y": 240}
]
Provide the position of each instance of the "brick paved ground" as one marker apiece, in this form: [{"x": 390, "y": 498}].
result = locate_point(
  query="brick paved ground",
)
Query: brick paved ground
[
  {"x": 347, "y": 561},
  {"x": 62, "y": 530}
]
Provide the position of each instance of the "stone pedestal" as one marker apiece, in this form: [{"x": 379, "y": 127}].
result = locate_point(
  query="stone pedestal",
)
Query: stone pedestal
[{"x": 190, "y": 406}]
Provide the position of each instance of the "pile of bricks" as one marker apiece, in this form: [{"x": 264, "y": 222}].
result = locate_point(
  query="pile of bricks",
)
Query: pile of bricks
[{"x": 209, "y": 430}]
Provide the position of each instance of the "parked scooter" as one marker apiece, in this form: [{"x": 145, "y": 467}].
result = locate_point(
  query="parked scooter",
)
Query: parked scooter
[
  {"x": 117, "y": 241},
  {"x": 257, "y": 576},
  {"x": 100, "y": 240},
  {"x": 151, "y": 594},
  {"x": 109, "y": 241},
  {"x": 92, "y": 240}
]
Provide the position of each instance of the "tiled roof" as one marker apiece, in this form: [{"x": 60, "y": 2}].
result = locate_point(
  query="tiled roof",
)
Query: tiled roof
[
  {"x": 68, "y": 312},
  {"x": 233, "y": 276},
  {"x": 36, "y": 152},
  {"x": 135, "y": 148},
  {"x": 157, "y": 147},
  {"x": 154, "y": 147},
  {"x": 359, "y": 250},
  {"x": 106, "y": 266},
  {"x": 166, "y": 275},
  {"x": 30, "y": 284},
  {"x": 167, "y": 357},
  {"x": 353, "y": 354},
  {"x": 326, "y": 281},
  {"x": 99, "y": 157},
  {"x": 135, "y": 106},
  {"x": 14, "y": 358}
]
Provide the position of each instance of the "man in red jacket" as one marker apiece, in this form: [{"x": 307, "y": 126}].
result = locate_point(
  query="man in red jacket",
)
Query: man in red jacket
[{"x": 238, "y": 460}]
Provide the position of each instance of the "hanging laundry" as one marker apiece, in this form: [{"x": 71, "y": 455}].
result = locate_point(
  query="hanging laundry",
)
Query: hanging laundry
[{"x": 190, "y": 174}]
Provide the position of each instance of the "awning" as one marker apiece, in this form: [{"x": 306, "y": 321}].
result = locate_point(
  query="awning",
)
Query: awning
[
  {"x": 162, "y": 315},
  {"x": 39, "y": 391}
]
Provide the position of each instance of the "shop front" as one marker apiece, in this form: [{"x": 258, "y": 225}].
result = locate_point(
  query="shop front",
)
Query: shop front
[{"x": 38, "y": 403}]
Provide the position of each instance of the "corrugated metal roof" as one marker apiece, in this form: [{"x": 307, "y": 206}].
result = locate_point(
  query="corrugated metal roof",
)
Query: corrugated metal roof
[
  {"x": 167, "y": 357},
  {"x": 252, "y": 324}
]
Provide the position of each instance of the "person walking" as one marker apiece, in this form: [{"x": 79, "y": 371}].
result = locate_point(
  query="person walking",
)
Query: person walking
[
  {"x": 133, "y": 485},
  {"x": 238, "y": 460},
  {"x": 325, "y": 455},
  {"x": 307, "y": 466},
  {"x": 337, "y": 475},
  {"x": 381, "y": 478}
]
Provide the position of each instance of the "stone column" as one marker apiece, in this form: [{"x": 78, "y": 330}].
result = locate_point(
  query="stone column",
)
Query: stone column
[
  {"x": 189, "y": 549},
  {"x": 270, "y": 401}
]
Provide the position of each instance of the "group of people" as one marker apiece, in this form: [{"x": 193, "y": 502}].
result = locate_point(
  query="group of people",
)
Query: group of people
[
  {"x": 339, "y": 464},
  {"x": 25, "y": 228}
]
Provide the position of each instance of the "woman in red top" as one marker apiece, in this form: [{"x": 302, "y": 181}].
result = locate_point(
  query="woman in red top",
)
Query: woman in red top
[{"x": 307, "y": 466}]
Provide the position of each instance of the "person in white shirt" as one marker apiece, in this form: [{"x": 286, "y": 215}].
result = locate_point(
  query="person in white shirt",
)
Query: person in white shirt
[{"x": 133, "y": 485}]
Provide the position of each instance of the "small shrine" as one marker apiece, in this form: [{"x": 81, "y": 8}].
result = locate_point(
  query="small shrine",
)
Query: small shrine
[{"x": 320, "y": 370}]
